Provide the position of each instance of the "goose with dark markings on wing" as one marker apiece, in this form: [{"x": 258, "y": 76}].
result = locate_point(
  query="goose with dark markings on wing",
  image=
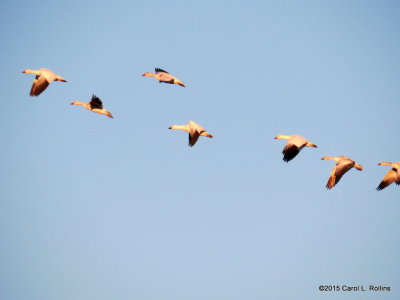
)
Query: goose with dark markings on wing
[
  {"x": 343, "y": 165},
  {"x": 42, "y": 80},
  {"x": 194, "y": 130},
  {"x": 95, "y": 105},
  {"x": 293, "y": 145},
  {"x": 164, "y": 76}
]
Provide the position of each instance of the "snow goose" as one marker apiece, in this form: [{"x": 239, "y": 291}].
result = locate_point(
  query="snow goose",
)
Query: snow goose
[
  {"x": 164, "y": 76},
  {"x": 343, "y": 165},
  {"x": 393, "y": 175},
  {"x": 42, "y": 80},
  {"x": 293, "y": 145},
  {"x": 95, "y": 105},
  {"x": 194, "y": 130}
]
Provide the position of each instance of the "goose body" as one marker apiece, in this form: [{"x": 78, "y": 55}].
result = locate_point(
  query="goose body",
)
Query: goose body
[
  {"x": 293, "y": 145},
  {"x": 343, "y": 164},
  {"x": 95, "y": 105},
  {"x": 42, "y": 80},
  {"x": 194, "y": 130},
  {"x": 164, "y": 76},
  {"x": 393, "y": 175}
]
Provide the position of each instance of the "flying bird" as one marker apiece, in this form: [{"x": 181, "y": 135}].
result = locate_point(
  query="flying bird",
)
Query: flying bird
[
  {"x": 293, "y": 145},
  {"x": 164, "y": 76},
  {"x": 343, "y": 165},
  {"x": 95, "y": 105},
  {"x": 42, "y": 80},
  {"x": 194, "y": 130},
  {"x": 393, "y": 175}
]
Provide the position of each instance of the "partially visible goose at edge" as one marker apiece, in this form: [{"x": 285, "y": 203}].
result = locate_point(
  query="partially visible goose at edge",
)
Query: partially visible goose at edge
[
  {"x": 343, "y": 165},
  {"x": 164, "y": 76},
  {"x": 42, "y": 80},
  {"x": 95, "y": 105},
  {"x": 194, "y": 129},
  {"x": 393, "y": 175},
  {"x": 293, "y": 145}
]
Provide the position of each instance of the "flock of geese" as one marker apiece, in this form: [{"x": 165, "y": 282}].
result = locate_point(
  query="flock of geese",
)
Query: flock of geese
[{"x": 294, "y": 144}]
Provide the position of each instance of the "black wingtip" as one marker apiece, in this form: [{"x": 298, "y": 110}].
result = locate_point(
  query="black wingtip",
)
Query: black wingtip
[
  {"x": 160, "y": 70},
  {"x": 286, "y": 157}
]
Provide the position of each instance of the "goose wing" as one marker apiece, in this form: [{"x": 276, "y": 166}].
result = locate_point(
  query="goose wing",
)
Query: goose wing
[
  {"x": 338, "y": 171},
  {"x": 193, "y": 136},
  {"x": 290, "y": 151},
  {"x": 40, "y": 83},
  {"x": 389, "y": 178},
  {"x": 95, "y": 102},
  {"x": 397, "y": 181},
  {"x": 158, "y": 70},
  {"x": 195, "y": 130}
]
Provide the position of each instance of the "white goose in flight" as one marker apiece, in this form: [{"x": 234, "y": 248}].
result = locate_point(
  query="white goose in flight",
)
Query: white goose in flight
[
  {"x": 194, "y": 130},
  {"x": 42, "y": 80},
  {"x": 293, "y": 145},
  {"x": 95, "y": 105},
  {"x": 343, "y": 165},
  {"x": 164, "y": 76}
]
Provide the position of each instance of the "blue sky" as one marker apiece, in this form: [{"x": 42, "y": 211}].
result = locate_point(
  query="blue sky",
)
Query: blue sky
[{"x": 100, "y": 208}]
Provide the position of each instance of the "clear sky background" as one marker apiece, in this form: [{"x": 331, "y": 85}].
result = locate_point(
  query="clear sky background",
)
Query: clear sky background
[{"x": 100, "y": 208}]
